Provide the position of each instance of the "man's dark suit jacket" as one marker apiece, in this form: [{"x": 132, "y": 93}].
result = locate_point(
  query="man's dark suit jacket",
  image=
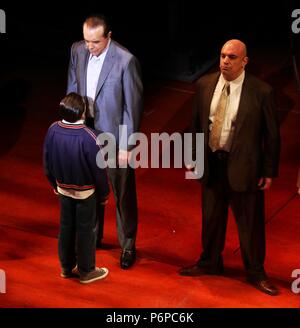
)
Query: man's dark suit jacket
[{"x": 256, "y": 141}]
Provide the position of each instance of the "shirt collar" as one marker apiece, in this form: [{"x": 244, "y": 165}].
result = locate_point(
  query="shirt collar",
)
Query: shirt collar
[
  {"x": 74, "y": 123},
  {"x": 234, "y": 83}
]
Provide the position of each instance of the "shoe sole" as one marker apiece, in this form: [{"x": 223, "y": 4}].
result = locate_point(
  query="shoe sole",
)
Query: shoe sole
[
  {"x": 65, "y": 276},
  {"x": 126, "y": 267},
  {"x": 96, "y": 278}
]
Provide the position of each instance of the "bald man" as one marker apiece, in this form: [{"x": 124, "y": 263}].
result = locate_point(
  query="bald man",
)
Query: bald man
[{"x": 237, "y": 114}]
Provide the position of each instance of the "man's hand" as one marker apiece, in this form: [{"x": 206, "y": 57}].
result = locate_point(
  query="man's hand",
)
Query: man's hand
[
  {"x": 264, "y": 183},
  {"x": 193, "y": 170},
  {"x": 190, "y": 167},
  {"x": 124, "y": 157}
]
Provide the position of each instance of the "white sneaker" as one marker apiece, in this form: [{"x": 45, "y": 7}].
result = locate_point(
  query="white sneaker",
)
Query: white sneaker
[{"x": 97, "y": 274}]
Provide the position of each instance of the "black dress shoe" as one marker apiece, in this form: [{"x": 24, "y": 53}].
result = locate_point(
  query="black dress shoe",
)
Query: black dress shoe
[
  {"x": 264, "y": 286},
  {"x": 195, "y": 270},
  {"x": 128, "y": 258}
]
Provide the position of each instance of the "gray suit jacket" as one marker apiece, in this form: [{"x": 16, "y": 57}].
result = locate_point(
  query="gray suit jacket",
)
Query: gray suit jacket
[
  {"x": 118, "y": 99},
  {"x": 256, "y": 142}
]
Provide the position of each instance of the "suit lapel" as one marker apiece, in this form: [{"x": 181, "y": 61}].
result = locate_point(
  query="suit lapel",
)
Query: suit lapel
[
  {"x": 207, "y": 98},
  {"x": 106, "y": 68},
  {"x": 82, "y": 73},
  {"x": 244, "y": 104}
]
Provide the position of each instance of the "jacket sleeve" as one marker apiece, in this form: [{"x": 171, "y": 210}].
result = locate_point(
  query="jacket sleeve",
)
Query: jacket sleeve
[
  {"x": 72, "y": 81},
  {"x": 99, "y": 174},
  {"x": 133, "y": 98},
  {"x": 47, "y": 161},
  {"x": 194, "y": 127}
]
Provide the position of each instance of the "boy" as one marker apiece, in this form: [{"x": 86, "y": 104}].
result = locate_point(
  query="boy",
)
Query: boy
[{"x": 70, "y": 151}]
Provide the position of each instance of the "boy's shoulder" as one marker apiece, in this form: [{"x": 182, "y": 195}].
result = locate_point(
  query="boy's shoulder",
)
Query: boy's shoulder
[
  {"x": 91, "y": 133},
  {"x": 53, "y": 125}
]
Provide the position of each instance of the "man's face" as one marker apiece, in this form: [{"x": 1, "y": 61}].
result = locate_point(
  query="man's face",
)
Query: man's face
[
  {"x": 94, "y": 39},
  {"x": 233, "y": 60}
]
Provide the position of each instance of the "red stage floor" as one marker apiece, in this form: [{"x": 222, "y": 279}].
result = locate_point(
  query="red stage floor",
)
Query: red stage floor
[{"x": 169, "y": 211}]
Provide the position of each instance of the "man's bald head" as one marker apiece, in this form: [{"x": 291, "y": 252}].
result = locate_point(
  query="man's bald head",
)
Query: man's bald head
[{"x": 238, "y": 45}]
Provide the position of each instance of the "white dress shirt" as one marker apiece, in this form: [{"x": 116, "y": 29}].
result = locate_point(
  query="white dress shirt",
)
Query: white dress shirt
[
  {"x": 92, "y": 77},
  {"x": 231, "y": 108}
]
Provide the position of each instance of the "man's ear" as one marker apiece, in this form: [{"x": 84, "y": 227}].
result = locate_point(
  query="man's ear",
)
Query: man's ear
[{"x": 245, "y": 61}]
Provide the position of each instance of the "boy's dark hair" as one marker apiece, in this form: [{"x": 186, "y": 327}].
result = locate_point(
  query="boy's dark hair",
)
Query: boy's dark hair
[
  {"x": 72, "y": 107},
  {"x": 96, "y": 20}
]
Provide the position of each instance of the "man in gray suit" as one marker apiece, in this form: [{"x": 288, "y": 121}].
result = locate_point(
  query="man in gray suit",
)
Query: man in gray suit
[
  {"x": 109, "y": 76},
  {"x": 237, "y": 114}
]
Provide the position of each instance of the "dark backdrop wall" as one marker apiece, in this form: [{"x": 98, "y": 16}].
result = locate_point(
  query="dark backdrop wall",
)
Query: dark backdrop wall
[{"x": 166, "y": 36}]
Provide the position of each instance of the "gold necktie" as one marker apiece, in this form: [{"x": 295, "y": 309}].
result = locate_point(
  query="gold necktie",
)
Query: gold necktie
[{"x": 215, "y": 133}]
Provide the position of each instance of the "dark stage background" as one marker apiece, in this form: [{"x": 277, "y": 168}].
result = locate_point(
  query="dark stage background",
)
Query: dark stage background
[{"x": 173, "y": 39}]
